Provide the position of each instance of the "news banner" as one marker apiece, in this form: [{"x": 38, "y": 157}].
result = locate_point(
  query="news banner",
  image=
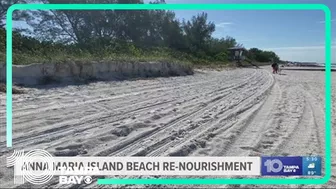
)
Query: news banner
[
  {"x": 38, "y": 167},
  {"x": 72, "y": 167}
]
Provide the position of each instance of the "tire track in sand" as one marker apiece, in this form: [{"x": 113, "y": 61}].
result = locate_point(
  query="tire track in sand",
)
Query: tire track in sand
[
  {"x": 68, "y": 125},
  {"x": 190, "y": 116}
]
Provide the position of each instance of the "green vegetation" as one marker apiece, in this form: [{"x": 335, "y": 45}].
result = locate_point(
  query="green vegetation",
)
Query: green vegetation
[
  {"x": 262, "y": 56},
  {"x": 123, "y": 35}
]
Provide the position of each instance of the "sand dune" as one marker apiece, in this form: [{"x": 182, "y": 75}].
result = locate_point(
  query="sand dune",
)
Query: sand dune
[{"x": 242, "y": 112}]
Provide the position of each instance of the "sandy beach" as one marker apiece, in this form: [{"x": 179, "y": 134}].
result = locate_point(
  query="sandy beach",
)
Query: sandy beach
[{"x": 240, "y": 112}]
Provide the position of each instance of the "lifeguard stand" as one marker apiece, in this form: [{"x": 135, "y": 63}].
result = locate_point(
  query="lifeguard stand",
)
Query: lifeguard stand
[{"x": 237, "y": 54}]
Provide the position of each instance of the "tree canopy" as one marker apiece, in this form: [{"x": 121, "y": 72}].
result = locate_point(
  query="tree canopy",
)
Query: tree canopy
[
  {"x": 258, "y": 55},
  {"x": 122, "y": 31}
]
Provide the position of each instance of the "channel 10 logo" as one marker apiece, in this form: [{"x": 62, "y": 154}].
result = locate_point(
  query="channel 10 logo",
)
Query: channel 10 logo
[
  {"x": 273, "y": 165},
  {"x": 284, "y": 166}
]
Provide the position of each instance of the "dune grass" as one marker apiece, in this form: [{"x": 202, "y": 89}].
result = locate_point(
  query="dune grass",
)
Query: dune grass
[{"x": 156, "y": 55}]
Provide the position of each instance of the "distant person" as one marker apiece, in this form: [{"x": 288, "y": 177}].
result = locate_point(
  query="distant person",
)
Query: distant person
[{"x": 275, "y": 67}]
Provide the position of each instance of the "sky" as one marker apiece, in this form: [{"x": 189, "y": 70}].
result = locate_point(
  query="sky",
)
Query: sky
[{"x": 293, "y": 35}]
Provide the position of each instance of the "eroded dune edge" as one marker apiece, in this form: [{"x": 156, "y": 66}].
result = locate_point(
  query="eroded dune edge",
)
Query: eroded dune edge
[{"x": 81, "y": 71}]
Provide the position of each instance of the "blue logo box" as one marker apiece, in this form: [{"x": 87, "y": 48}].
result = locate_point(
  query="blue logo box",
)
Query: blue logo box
[
  {"x": 286, "y": 166},
  {"x": 291, "y": 166}
]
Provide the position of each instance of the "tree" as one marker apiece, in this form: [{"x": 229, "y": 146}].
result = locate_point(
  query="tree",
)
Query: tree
[
  {"x": 198, "y": 32},
  {"x": 262, "y": 56},
  {"x": 4, "y": 5}
]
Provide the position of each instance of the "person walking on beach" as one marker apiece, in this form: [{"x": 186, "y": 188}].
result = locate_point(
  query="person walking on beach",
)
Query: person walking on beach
[{"x": 275, "y": 67}]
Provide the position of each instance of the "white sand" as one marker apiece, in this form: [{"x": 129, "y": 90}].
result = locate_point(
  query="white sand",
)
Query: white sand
[{"x": 241, "y": 112}]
